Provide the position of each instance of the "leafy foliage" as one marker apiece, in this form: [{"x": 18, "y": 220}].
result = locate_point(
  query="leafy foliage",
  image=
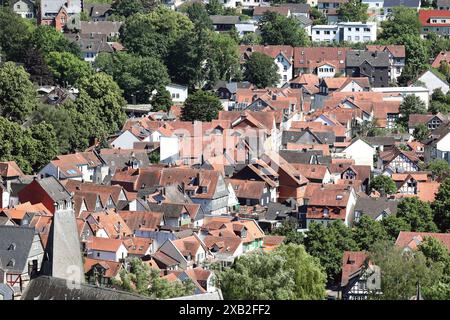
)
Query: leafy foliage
[
  {"x": 286, "y": 273},
  {"x": 201, "y": 106},
  {"x": 441, "y": 206},
  {"x": 261, "y": 70},
  {"x": 67, "y": 68},
  {"x": 353, "y": 10},
  {"x": 277, "y": 29},
  {"x": 383, "y": 184},
  {"x": 417, "y": 214}
]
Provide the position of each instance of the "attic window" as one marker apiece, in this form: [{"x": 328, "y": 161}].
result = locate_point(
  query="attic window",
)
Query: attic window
[
  {"x": 11, "y": 263},
  {"x": 12, "y": 247},
  {"x": 339, "y": 197}
]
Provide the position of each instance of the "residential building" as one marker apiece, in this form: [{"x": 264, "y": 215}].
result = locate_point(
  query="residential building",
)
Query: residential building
[
  {"x": 397, "y": 57},
  {"x": 433, "y": 80},
  {"x": 374, "y": 65},
  {"x": 443, "y": 4},
  {"x": 356, "y": 32},
  {"x": 25, "y": 8},
  {"x": 57, "y": 13},
  {"x": 178, "y": 93},
  {"x": 106, "y": 249},
  {"x": 307, "y": 59},
  {"x": 437, "y": 21}
]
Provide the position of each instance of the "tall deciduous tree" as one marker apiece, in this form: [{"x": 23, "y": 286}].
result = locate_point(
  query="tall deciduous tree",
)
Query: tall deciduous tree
[
  {"x": 368, "y": 232},
  {"x": 201, "y": 106},
  {"x": 441, "y": 206},
  {"x": 411, "y": 105},
  {"x": 328, "y": 243},
  {"x": 153, "y": 34},
  {"x": 417, "y": 214},
  {"x": 261, "y": 70},
  {"x": 161, "y": 100},
  {"x": 136, "y": 76},
  {"x": 126, "y": 8},
  {"x": 14, "y": 35},
  {"x": 17, "y": 94},
  {"x": 353, "y": 10},
  {"x": 286, "y": 273},
  {"x": 67, "y": 68},
  {"x": 277, "y": 29},
  {"x": 383, "y": 184}
]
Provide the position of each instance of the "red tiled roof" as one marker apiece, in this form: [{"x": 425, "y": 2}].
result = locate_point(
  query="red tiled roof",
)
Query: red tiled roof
[
  {"x": 442, "y": 56},
  {"x": 352, "y": 262},
  {"x": 413, "y": 239},
  {"x": 10, "y": 169},
  {"x": 426, "y": 15}
]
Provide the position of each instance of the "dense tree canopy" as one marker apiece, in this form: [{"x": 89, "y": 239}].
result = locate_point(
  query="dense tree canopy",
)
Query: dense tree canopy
[
  {"x": 368, "y": 232},
  {"x": 411, "y": 105},
  {"x": 201, "y": 106},
  {"x": 17, "y": 94},
  {"x": 328, "y": 243},
  {"x": 126, "y": 8},
  {"x": 383, "y": 184},
  {"x": 441, "y": 206},
  {"x": 67, "y": 68},
  {"x": 14, "y": 34},
  {"x": 155, "y": 33},
  {"x": 439, "y": 167},
  {"x": 286, "y": 273},
  {"x": 353, "y": 10},
  {"x": 421, "y": 132},
  {"x": 261, "y": 70},
  {"x": 417, "y": 214},
  {"x": 136, "y": 76},
  {"x": 277, "y": 29}
]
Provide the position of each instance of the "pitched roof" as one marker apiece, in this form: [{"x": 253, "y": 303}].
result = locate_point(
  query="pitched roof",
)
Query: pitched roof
[
  {"x": 311, "y": 57},
  {"x": 104, "y": 244},
  {"x": 397, "y": 3},
  {"x": 442, "y": 56},
  {"x": 413, "y": 239},
  {"x": 260, "y": 10},
  {"x": 137, "y": 220},
  {"x": 10, "y": 169},
  {"x": 15, "y": 246},
  {"x": 397, "y": 51},
  {"x": 54, "y": 188},
  {"x": 373, "y": 207},
  {"x": 112, "y": 268},
  {"x": 375, "y": 59},
  {"x": 352, "y": 262},
  {"x": 426, "y": 15},
  {"x": 270, "y": 50},
  {"x": 247, "y": 189}
]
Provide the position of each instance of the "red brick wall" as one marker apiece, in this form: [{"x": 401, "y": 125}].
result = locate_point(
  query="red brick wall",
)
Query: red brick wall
[
  {"x": 35, "y": 194},
  {"x": 58, "y": 24}
]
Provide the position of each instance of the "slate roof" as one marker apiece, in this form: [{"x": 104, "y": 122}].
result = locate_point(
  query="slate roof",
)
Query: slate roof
[
  {"x": 373, "y": 207},
  {"x": 219, "y": 19},
  {"x": 375, "y": 59},
  {"x": 54, "y": 188},
  {"x": 294, "y": 136},
  {"x": 15, "y": 245},
  {"x": 100, "y": 27},
  {"x": 51, "y": 7},
  {"x": 96, "y": 10},
  {"x": 50, "y": 288}
]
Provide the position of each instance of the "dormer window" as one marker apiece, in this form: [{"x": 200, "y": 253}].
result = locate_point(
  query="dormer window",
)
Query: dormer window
[
  {"x": 12, "y": 247},
  {"x": 339, "y": 197},
  {"x": 11, "y": 263}
]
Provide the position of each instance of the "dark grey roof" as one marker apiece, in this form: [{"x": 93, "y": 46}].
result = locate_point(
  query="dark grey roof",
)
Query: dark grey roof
[
  {"x": 380, "y": 141},
  {"x": 95, "y": 10},
  {"x": 217, "y": 19},
  {"x": 123, "y": 160},
  {"x": 232, "y": 86},
  {"x": 90, "y": 43},
  {"x": 6, "y": 292},
  {"x": 294, "y": 136},
  {"x": 4, "y": 220},
  {"x": 15, "y": 246},
  {"x": 373, "y": 207},
  {"x": 397, "y": 3},
  {"x": 277, "y": 211},
  {"x": 293, "y": 156},
  {"x": 170, "y": 210},
  {"x": 54, "y": 188},
  {"x": 376, "y": 59},
  {"x": 100, "y": 27},
  {"x": 304, "y": 20},
  {"x": 297, "y": 7},
  {"x": 50, "y": 288}
]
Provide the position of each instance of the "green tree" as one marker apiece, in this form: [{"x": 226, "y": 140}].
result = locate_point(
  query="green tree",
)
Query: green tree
[
  {"x": 161, "y": 100},
  {"x": 198, "y": 14},
  {"x": 155, "y": 33},
  {"x": 126, "y": 8},
  {"x": 251, "y": 38},
  {"x": 225, "y": 56},
  {"x": 46, "y": 144},
  {"x": 353, "y": 10},
  {"x": 17, "y": 94},
  {"x": 417, "y": 56},
  {"x": 328, "y": 243},
  {"x": 444, "y": 68},
  {"x": 317, "y": 16},
  {"x": 14, "y": 35},
  {"x": 411, "y": 105},
  {"x": 368, "y": 232},
  {"x": 277, "y": 29},
  {"x": 418, "y": 214},
  {"x": 62, "y": 123},
  {"x": 288, "y": 229},
  {"x": 401, "y": 271},
  {"x": 393, "y": 225},
  {"x": 261, "y": 70},
  {"x": 143, "y": 280},
  {"x": 136, "y": 76},
  {"x": 439, "y": 167},
  {"x": 67, "y": 68},
  {"x": 286, "y": 273},
  {"x": 47, "y": 39},
  {"x": 201, "y": 106},
  {"x": 441, "y": 206},
  {"x": 401, "y": 22},
  {"x": 106, "y": 96},
  {"x": 421, "y": 132},
  {"x": 214, "y": 7},
  {"x": 383, "y": 184}
]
